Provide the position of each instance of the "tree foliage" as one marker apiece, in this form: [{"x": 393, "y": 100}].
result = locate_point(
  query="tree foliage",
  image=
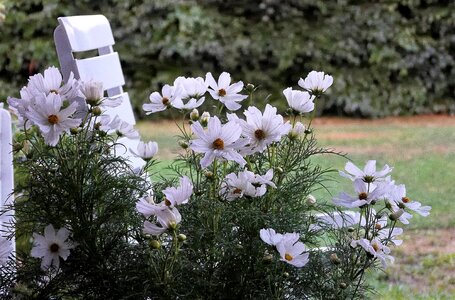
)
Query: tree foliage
[{"x": 389, "y": 57}]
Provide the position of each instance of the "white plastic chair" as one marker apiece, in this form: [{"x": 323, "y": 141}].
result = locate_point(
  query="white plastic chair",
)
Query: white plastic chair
[
  {"x": 93, "y": 32},
  {"x": 6, "y": 174}
]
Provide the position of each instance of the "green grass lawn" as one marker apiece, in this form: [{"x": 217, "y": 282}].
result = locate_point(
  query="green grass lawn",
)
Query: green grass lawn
[{"x": 422, "y": 152}]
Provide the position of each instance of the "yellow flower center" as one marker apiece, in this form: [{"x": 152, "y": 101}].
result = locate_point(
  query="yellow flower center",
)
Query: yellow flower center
[
  {"x": 167, "y": 202},
  {"x": 222, "y": 92},
  {"x": 288, "y": 257},
  {"x": 218, "y": 144},
  {"x": 405, "y": 199},
  {"x": 363, "y": 196},
  {"x": 375, "y": 247},
  {"x": 54, "y": 248},
  {"x": 377, "y": 226},
  {"x": 53, "y": 119},
  {"x": 259, "y": 134}
]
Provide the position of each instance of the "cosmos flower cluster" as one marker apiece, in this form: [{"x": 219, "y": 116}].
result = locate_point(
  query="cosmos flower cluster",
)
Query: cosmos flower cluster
[{"x": 232, "y": 139}]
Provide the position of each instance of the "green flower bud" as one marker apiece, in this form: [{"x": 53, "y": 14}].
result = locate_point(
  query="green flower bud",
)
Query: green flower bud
[
  {"x": 279, "y": 170},
  {"x": 285, "y": 274},
  {"x": 205, "y": 117},
  {"x": 250, "y": 88},
  {"x": 183, "y": 144},
  {"x": 194, "y": 115},
  {"x": 343, "y": 285},
  {"x": 308, "y": 131},
  {"x": 181, "y": 237},
  {"x": 97, "y": 111},
  {"x": 155, "y": 244},
  {"x": 74, "y": 130}
]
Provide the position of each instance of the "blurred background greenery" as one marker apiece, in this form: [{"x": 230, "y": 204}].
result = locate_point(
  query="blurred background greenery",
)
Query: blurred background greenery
[{"x": 391, "y": 57}]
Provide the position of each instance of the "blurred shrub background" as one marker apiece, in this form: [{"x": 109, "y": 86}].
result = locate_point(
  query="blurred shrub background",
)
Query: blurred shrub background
[{"x": 387, "y": 57}]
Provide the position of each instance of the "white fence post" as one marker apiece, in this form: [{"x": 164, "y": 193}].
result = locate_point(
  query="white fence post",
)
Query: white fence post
[{"x": 6, "y": 175}]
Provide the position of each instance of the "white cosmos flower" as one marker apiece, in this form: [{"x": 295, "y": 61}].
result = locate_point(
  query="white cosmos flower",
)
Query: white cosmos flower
[
  {"x": 263, "y": 129},
  {"x": 292, "y": 251},
  {"x": 335, "y": 220},
  {"x": 369, "y": 173},
  {"x": 316, "y": 82},
  {"x": 238, "y": 185},
  {"x": 376, "y": 249},
  {"x": 146, "y": 151},
  {"x": 224, "y": 91},
  {"x": 51, "y": 247},
  {"x": 20, "y": 106},
  {"x": 6, "y": 248},
  {"x": 52, "y": 82},
  {"x": 363, "y": 195},
  {"x": 147, "y": 206},
  {"x": 398, "y": 195},
  {"x": 159, "y": 102},
  {"x": 269, "y": 236},
  {"x": 123, "y": 129},
  {"x": 246, "y": 183},
  {"x": 166, "y": 217},
  {"x": 92, "y": 91},
  {"x": 179, "y": 195},
  {"x": 219, "y": 141},
  {"x": 51, "y": 119},
  {"x": 192, "y": 92},
  {"x": 299, "y": 101}
]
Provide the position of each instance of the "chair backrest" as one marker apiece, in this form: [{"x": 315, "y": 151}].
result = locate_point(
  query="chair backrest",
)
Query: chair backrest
[
  {"x": 86, "y": 33},
  {"x": 93, "y": 32},
  {"x": 6, "y": 174}
]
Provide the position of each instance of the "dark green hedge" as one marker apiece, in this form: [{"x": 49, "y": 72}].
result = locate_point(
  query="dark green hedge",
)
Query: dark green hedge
[{"x": 387, "y": 57}]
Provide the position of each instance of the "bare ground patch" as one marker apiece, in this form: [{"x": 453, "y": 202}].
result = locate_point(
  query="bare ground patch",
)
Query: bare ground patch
[{"x": 426, "y": 261}]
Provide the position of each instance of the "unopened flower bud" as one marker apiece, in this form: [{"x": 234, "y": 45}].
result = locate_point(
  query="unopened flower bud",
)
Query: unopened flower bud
[
  {"x": 310, "y": 200},
  {"x": 181, "y": 237},
  {"x": 396, "y": 215},
  {"x": 205, "y": 117},
  {"x": 74, "y": 130},
  {"x": 286, "y": 274},
  {"x": 155, "y": 244},
  {"x": 334, "y": 259},
  {"x": 194, "y": 115},
  {"x": 308, "y": 131},
  {"x": 250, "y": 88},
  {"x": 279, "y": 170},
  {"x": 296, "y": 131},
  {"x": 377, "y": 226},
  {"x": 183, "y": 144},
  {"x": 343, "y": 285},
  {"x": 208, "y": 174},
  {"x": 351, "y": 229},
  {"x": 97, "y": 111},
  {"x": 172, "y": 225},
  {"x": 267, "y": 258}
]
